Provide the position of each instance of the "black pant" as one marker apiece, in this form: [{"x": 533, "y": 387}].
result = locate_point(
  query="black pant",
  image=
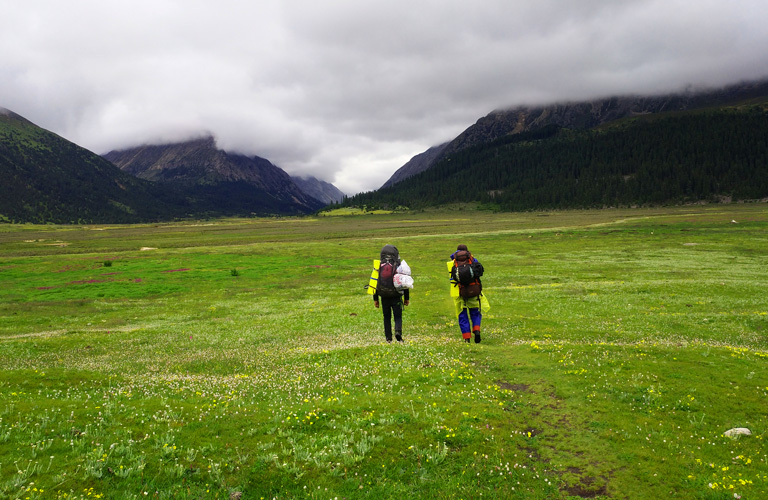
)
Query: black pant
[{"x": 392, "y": 307}]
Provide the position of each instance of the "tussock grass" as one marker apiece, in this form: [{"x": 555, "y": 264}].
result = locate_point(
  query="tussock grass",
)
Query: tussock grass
[{"x": 620, "y": 346}]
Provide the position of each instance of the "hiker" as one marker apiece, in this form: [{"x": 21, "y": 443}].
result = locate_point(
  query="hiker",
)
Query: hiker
[
  {"x": 465, "y": 276},
  {"x": 392, "y": 298}
]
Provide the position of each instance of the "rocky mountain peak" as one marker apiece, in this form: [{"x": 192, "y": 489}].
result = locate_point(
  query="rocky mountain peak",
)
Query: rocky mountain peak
[{"x": 200, "y": 164}]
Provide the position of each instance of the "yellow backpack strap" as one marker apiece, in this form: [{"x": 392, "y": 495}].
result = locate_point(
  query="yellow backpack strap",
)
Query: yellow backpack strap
[
  {"x": 373, "y": 280},
  {"x": 454, "y": 285}
]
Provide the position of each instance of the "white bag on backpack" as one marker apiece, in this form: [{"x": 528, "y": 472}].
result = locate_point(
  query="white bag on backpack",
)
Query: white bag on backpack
[
  {"x": 403, "y": 268},
  {"x": 403, "y": 281}
]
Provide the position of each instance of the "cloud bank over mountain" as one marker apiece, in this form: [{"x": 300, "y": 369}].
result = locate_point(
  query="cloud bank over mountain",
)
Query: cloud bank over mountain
[{"x": 348, "y": 92}]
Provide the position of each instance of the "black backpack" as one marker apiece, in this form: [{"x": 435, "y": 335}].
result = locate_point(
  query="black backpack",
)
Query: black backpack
[
  {"x": 390, "y": 260},
  {"x": 466, "y": 273}
]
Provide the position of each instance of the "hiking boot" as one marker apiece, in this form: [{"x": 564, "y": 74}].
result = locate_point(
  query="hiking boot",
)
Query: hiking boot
[
  {"x": 466, "y": 340},
  {"x": 389, "y": 339},
  {"x": 477, "y": 338},
  {"x": 398, "y": 337}
]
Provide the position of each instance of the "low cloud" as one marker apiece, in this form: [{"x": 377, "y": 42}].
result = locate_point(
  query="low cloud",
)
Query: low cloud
[{"x": 349, "y": 91}]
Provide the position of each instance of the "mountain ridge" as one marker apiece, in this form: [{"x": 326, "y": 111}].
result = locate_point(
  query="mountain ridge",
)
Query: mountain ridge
[
  {"x": 580, "y": 115},
  {"x": 201, "y": 166},
  {"x": 48, "y": 179},
  {"x": 695, "y": 148},
  {"x": 319, "y": 189},
  {"x": 418, "y": 163}
]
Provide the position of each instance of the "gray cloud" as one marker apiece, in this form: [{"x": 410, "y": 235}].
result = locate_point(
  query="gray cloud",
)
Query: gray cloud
[{"x": 349, "y": 91}]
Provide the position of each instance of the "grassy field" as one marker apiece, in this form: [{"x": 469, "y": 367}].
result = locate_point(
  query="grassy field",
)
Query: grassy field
[{"x": 243, "y": 359}]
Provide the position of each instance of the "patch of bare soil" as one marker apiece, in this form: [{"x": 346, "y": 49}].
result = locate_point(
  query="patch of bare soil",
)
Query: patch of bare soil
[
  {"x": 513, "y": 387},
  {"x": 588, "y": 487}
]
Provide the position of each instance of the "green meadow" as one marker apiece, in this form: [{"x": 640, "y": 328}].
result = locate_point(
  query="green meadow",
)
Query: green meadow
[{"x": 243, "y": 359}]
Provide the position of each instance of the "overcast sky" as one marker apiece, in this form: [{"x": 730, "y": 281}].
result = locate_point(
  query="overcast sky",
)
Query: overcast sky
[{"x": 348, "y": 91}]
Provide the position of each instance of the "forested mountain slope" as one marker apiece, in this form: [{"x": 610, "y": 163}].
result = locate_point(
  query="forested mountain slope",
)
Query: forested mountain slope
[
  {"x": 581, "y": 116},
  {"x": 705, "y": 155},
  {"x": 47, "y": 179}
]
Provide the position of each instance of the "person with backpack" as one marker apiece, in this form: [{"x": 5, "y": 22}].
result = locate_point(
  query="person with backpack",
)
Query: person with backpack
[
  {"x": 392, "y": 298},
  {"x": 465, "y": 277}
]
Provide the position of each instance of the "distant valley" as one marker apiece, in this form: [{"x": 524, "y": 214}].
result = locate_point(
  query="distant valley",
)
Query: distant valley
[{"x": 690, "y": 147}]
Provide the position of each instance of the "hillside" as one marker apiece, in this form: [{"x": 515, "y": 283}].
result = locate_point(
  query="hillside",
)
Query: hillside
[
  {"x": 217, "y": 181},
  {"x": 417, "y": 164},
  {"x": 319, "y": 190},
  {"x": 47, "y": 179},
  {"x": 708, "y": 155},
  {"x": 579, "y": 116}
]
